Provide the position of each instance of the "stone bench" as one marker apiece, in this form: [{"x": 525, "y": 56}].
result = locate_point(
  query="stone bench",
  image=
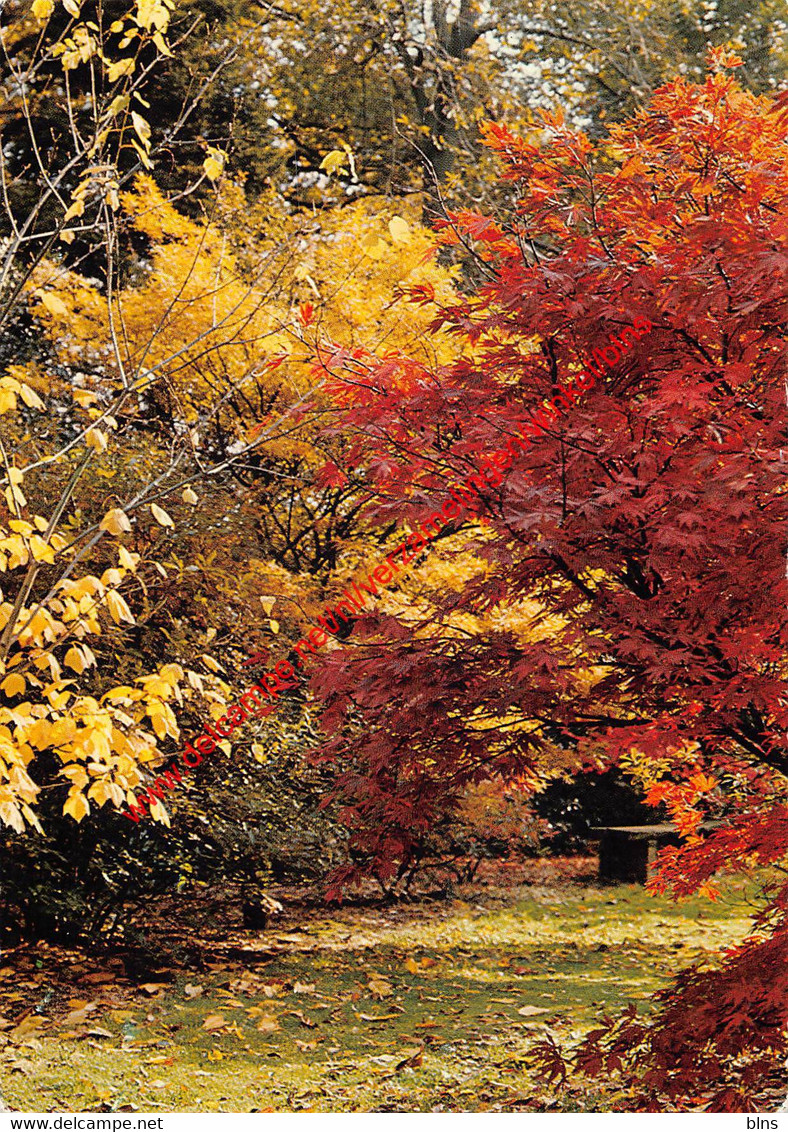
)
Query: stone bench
[{"x": 627, "y": 852}]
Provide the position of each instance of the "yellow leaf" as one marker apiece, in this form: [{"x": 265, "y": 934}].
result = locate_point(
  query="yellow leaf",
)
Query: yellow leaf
[
  {"x": 153, "y": 14},
  {"x": 189, "y": 496},
  {"x": 67, "y": 236},
  {"x": 13, "y": 685},
  {"x": 115, "y": 521},
  {"x": 39, "y": 734},
  {"x": 84, "y": 397},
  {"x": 122, "y": 692},
  {"x": 9, "y": 813},
  {"x": 120, "y": 68},
  {"x": 128, "y": 561},
  {"x": 161, "y": 516},
  {"x": 143, "y": 156},
  {"x": 161, "y": 43},
  {"x": 101, "y": 792},
  {"x": 76, "y": 209},
  {"x": 54, "y": 305},
  {"x": 43, "y": 9},
  {"x": 373, "y": 246},
  {"x": 14, "y": 496},
  {"x": 141, "y": 128},
  {"x": 77, "y": 806},
  {"x": 159, "y": 813},
  {"x": 268, "y": 603},
  {"x": 399, "y": 230},
  {"x": 96, "y": 439},
  {"x": 214, "y": 163},
  {"x": 7, "y": 399},
  {"x": 41, "y": 551},
  {"x": 71, "y": 7},
  {"x": 118, "y": 609},
  {"x": 334, "y": 160},
  {"x": 274, "y": 626},
  {"x": 75, "y": 660},
  {"x": 119, "y": 103},
  {"x": 30, "y": 397}
]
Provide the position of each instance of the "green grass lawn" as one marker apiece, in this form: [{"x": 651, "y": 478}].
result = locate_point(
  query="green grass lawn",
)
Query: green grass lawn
[{"x": 423, "y": 1007}]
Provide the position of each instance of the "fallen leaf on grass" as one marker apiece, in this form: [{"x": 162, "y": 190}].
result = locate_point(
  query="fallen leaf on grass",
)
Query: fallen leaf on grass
[
  {"x": 267, "y": 1025},
  {"x": 98, "y": 1032},
  {"x": 214, "y": 1022},
  {"x": 303, "y": 988},
  {"x": 423, "y": 964},
  {"x": 95, "y": 978},
  {"x": 527, "y": 1011},
  {"x": 75, "y": 1017},
  {"x": 22, "y": 1066},
  {"x": 380, "y": 987},
  {"x": 152, "y": 988},
  {"x": 411, "y": 1062},
  {"x": 304, "y": 1046},
  {"x": 26, "y": 1027},
  {"x": 378, "y": 1017},
  {"x": 191, "y": 990},
  {"x": 302, "y": 1018},
  {"x": 163, "y": 1060}
]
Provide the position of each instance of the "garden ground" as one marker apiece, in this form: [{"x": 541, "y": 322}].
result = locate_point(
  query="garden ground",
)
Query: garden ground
[{"x": 426, "y": 1006}]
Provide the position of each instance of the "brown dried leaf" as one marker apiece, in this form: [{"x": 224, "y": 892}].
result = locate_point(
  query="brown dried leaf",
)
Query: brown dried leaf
[
  {"x": 77, "y": 1017},
  {"x": 152, "y": 988},
  {"x": 380, "y": 987},
  {"x": 302, "y": 1018},
  {"x": 214, "y": 1022},
  {"x": 27, "y": 1027}
]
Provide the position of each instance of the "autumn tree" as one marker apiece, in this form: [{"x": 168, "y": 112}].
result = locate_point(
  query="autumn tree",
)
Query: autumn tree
[
  {"x": 628, "y": 607},
  {"x": 75, "y": 419},
  {"x": 406, "y": 85}
]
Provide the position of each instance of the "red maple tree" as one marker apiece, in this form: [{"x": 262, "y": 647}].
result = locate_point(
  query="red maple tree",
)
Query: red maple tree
[{"x": 649, "y": 524}]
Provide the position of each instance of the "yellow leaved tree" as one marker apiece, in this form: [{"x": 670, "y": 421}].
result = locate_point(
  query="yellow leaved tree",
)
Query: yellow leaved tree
[{"x": 178, "y": 370}]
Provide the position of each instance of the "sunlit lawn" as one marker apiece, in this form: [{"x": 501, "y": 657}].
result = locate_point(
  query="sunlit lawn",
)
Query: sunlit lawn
[{"x": 414, "y": 1008}]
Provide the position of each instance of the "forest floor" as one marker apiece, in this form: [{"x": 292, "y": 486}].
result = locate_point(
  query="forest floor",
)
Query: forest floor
[{"x": 430, "y": 1005}]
